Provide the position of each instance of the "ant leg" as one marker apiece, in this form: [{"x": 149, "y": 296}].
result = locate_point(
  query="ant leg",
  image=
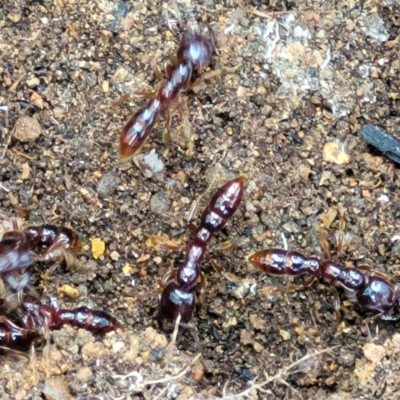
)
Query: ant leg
[
  {"x": 202, "y": 283},
  {"x": 55, "y": 252},
  {"x": 194, "y": 206},
  {"x": 2, "y": 290},
  {"x": 222, "y": 246},
  {"x": 167, "y": 247},
  {"x": 227, "y": 275},
  {"x": 171, "y": 344},
  {"x": 336, "y": 304},
  {"x": 170, "y": 65},
  {"x": 199, "y": 82},
  {"x": 289, "y": 288},
  {"x": 285, "y": 242},
  {"x": 18, "y": 284},
  {"x": 184, "y": 114},
  {"x": 308, "y": 282},
  {"x": 201, "y": 289},
  {"x": 47, "y": 336},
  {"x": 14, "y": 352},
  {"x": 366, "y": 267},
  {"x": 193, "y": 331},
  {"x": 166, "y": 134},
  {"x": 365, "y": 330},
  {"x": 124, "y": 98},
  {"x": 170, "y": 276},
  {"x": 157, "y": 71},
  {"x": 9, "y": 324},
  {"x": 15, "y": 225},
  {"x": 35, "y": 375},
  {"x": 325, "y": 244}
]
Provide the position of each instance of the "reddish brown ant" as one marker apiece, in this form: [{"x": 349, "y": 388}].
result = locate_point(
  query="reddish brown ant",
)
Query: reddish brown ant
[
  {"x": 57, "y": 242},
  {"x": 178, "y": 300},
  {"x": 373, "y": 293},
  {"x": 14, "y": 337},
  {"x": 39, "y": 319},
  {"x": 194, "y": 53},
  {"x": 45, "y": 317},
  {"x": 17, "y": 251}
]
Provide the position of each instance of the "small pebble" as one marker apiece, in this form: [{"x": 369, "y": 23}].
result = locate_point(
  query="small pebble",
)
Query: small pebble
[
  {"x": 374, "y": 352},
  {"x": 159, "y": 203},
  {"x": 84, "y": 374},
  {"x": 107, "y": 184},
  {"x": 285, "y": 335},
  {"x": 118, "y": 346},
  {"x": 27, "y": 129}
]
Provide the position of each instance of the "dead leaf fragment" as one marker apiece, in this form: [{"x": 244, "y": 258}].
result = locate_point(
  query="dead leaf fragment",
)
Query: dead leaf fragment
[
  {"x": 335, "y": 153},
  {"x": 69, "y": 291},
  {"x": 14, "y": 17},
  {"x": 143, "y": 258},
  {"x": 27, "y": 129},
  {"x": 161, "y": 241},
  {"x": 37, "y": 100},
  {"x": 328, "y": 217},
  {"x": 98, "y": 247}
]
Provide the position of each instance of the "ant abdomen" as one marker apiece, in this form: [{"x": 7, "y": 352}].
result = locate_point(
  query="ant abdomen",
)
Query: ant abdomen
[{"x": 95, "y": 321}]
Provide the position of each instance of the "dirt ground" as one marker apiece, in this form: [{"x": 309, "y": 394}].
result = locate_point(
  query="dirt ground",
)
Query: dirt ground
[{"x": 285, "y": 97}]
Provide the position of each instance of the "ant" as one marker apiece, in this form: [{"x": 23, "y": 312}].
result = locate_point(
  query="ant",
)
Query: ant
[
  {"x": 40, "y": 318},
  {"x": 17, "y": 251},
  {"x": 45, "y": 317},
  {"x": 372, "y": 292},
  {"x": 194, "y": 53},
  {"x": 177, "y": 300}
]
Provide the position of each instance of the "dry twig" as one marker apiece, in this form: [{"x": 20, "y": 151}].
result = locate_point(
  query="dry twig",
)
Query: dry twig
[
  {"x": 140, "y": 385},
  {"x": 279, "y": 377}
]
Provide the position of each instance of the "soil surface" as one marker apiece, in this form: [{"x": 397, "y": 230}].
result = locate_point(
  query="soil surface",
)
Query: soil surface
[{"x": 282, "y": 103}]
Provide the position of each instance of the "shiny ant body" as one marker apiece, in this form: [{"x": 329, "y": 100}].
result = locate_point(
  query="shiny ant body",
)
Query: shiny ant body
[
  {"x": 178, "y": 297},
  {"x": 15, "y": 337},
  {"x": 372, "y": 292},
  {"x": 20, "y": 250},
  {"x": 44, "y": 317},
  {"x": 194, "y": 53},
  {"x": 39, "y": 319}
]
